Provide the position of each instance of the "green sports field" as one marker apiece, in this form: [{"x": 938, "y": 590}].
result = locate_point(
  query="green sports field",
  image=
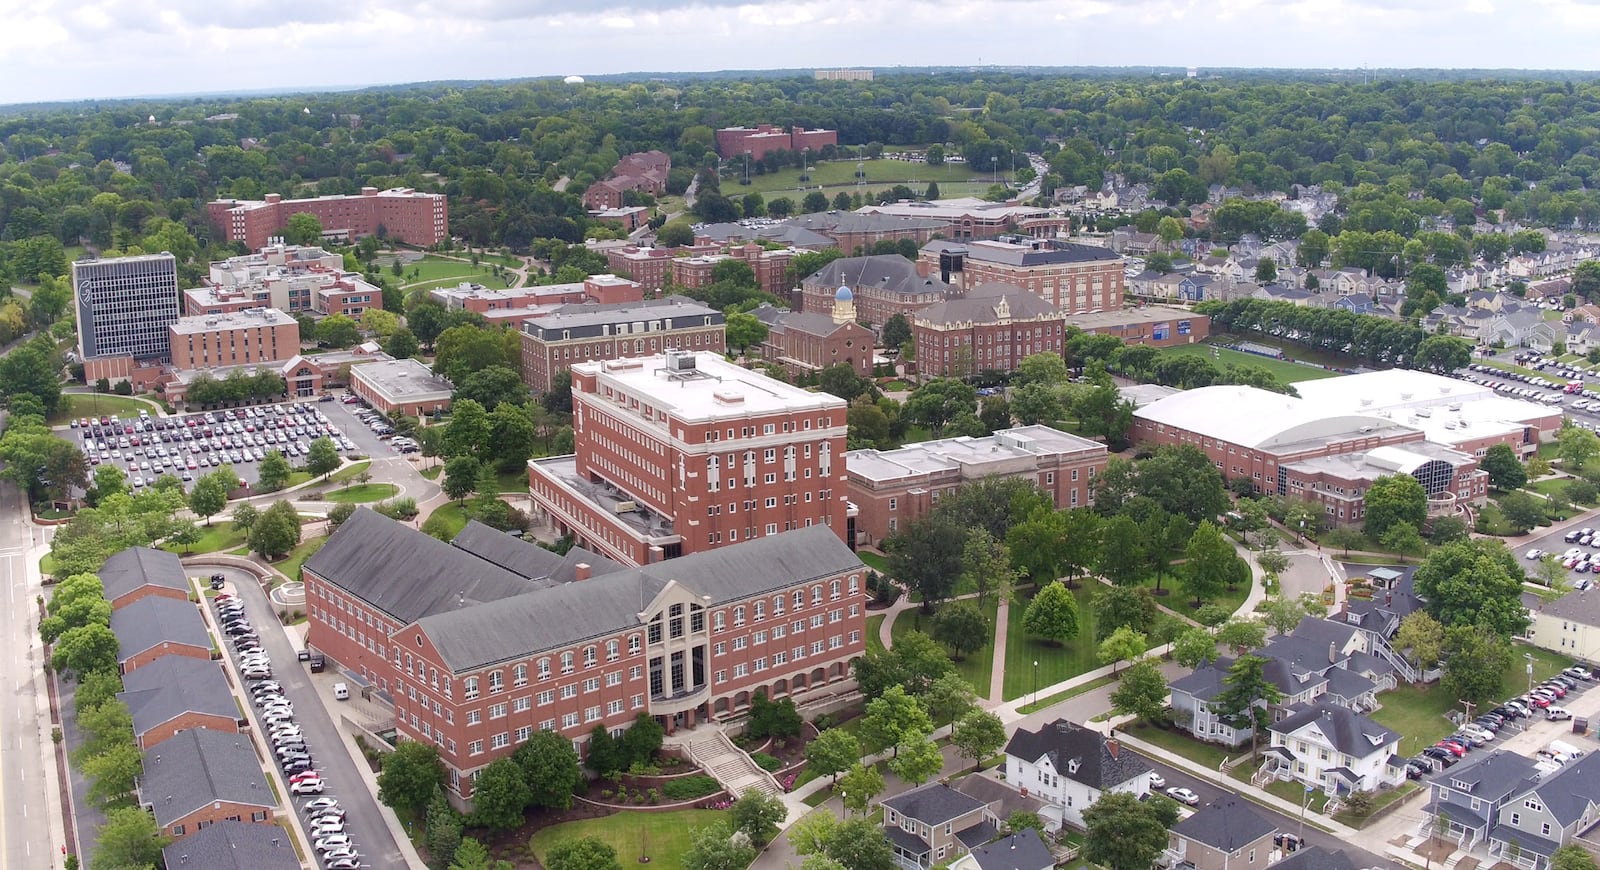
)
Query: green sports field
[{"x": 1286, "y": 372}]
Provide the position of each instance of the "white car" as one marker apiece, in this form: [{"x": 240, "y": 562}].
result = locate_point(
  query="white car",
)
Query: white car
[
  {"x": 1157, "y": 780},
  {"x": 307, "y": 786},
  {"x": 1183, "y": 796},
  {"x": 1534, "y": 553},
  {"x": 332, "y": 842},
  {"x": 320, "y": 804},
  {"x": 326, "y": 827}
]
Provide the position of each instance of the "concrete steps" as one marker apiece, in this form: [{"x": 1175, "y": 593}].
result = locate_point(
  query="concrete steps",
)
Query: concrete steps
[{"x": 729, "y": 765}]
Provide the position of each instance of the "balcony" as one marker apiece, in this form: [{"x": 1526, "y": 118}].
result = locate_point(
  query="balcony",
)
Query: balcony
[{"x": 666, "y": 705}]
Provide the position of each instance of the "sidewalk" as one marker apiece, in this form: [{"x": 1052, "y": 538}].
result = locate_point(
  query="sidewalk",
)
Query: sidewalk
[{"x": 63, "y": 823}]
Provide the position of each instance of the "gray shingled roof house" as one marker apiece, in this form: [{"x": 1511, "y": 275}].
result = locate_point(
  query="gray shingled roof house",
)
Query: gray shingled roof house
[
  {"x": 1069, "y": 767},
  {"x": 156, "y": 622},
  {"x": 1564, "y": 805},
  {"x": 230, "y": 845},
  {"x": 1227, "y": 826},
  {"x": 1020, "y": 851},
  {"x": 170, "y": 689},
  {"x": 199, "y": 769},
  {"x": 140, "y": 570},
  {"x": 934, "y": 823}
]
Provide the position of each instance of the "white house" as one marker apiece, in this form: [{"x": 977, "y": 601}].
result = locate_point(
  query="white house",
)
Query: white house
[
  {"x": 1334, "y": 748},
  {"x": 1069, "y": 767}
]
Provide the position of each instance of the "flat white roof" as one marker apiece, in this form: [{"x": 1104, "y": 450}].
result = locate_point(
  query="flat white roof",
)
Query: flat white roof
[
  {"x": 403, "y": 380},
  {"x": 982, "y": 455},
  {"x": 243, "y": 319},
  {"x": 712, "y": 389},
  {"x": 1253, "y": 417}
]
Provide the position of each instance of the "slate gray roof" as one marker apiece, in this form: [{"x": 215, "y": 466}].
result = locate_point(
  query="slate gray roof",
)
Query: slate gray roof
[
  {"x": 1569, "y": 791},
  {"x": 142, "y": 566},
  {"x": 1575, "y": 606},
  {"x": 1316, "y": 858},
  {"x": 154, "y": 620},
  {"x": 1490, "y": 777},
  {"x": 405, "y": 573},
  {"x": 173, "y": 685},
  {"x": 933, "y": 804},
  {"x": 1347, "y": 684},
  {"x": 553, "y": 616},
  {"x": 1525, "y": 841},
  {"x": 199, "y": 766},
  {"x": 1290, "y": 678},
  {"x": 1020, "y": 851},
  {"x": 978, "y": 834},
  {"x": 1227, "y": 823},
  {"x": 230, "y": 845},
  {"x": 807, "y": 322},
  {"x": 907, "y": 841},
  {"x": 978, "y": 306},
  {"x": 785, "y": 233},
  {"x": 1098, "y": 764},
  {"x": 1346, "y": 729},
  {"x": 527, "y": 559},
  {"x": 856, "y": 222},
  {"x": 890, "y": 272}
]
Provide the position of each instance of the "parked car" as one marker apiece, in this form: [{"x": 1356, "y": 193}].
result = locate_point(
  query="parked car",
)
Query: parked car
[
  {"x": 1556, "y": 714},
  {"x": 306, "y": 786},
  {"x": 1183, "y": 796},
  {"x": 320, "y": 804},
  {"x": 1157, "y": 780},
  {"x": 1579, "y": 672}
]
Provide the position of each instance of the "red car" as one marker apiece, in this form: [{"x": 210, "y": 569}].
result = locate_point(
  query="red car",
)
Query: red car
[
  {"x": 1453, "y": 748},
  {"x": 304, "y": 775},
  {"x": 1536, "y": 701}
]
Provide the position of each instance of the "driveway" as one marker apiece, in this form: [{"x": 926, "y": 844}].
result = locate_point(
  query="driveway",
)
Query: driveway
[{"x": 364, "y": 823}]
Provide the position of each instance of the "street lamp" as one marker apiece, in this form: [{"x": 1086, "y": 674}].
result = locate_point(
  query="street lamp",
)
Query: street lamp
[
  {"x": 1036, "y": 680},
  {"x": 844, "y": 805},
  {"x": 1529, "y": 657}
]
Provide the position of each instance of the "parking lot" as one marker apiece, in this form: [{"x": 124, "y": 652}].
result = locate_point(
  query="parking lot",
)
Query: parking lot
[
  {"x": 188, "y": 446},
  {"x": 1546, "y": 388},
  {"x": 1529, "y": 550}
]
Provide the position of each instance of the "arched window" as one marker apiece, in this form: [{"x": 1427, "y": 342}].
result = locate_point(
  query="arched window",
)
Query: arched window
[
  {"x": 519, "y": 675},
  {"x": 544, "y": 669},
  {"x": 566, "y": 662},
  {"x": 612, "y": 650}
]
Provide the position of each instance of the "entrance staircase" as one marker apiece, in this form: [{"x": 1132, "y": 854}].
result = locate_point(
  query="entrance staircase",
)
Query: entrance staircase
[{"x": 731, "y": 766}]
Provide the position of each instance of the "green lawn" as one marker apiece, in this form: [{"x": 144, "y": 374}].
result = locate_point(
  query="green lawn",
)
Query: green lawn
[
  {"x": 431, "y": 269},
  {"x": 452, "y": 515},
  {"x": 953, "y": 179},
  {"x": 1182, "y": 603},
  {"x": 874, "y": 629},
  {"x": 1418, "y": 714},
  {"x": 363, "y": 492},
  {"x": 47, "y": 565},
  {"x": 433, "y": 473},
  {"x": 1058, "y": 697},
  {"x": 1208, "y": 755},
  {"x": 513, "y": 481},
  {"x": 350, "y": 472},
  {"x": 214, "y": 538},
  {"x": 874, "y": 561},
  {"x": 76, "y": 405},
  {"x": 663, "y": 837},
  {"x": 1293, "y": 792},
  {"x": 978, "y": 665},
  {"x": 298, "y": 556},
  {"x": 486, "y": 279},
  {"x": 1078, "y": 656},
  {"x": 1286, "y": 372}
]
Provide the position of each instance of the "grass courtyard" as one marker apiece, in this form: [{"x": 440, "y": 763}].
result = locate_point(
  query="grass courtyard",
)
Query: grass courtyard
[
  {"x": 215, "y": 538},
  {"x": 839, "y": 175},
  {"x": 75, "y": 405},
  {"x": 1417, "y": 714},
  {"x": 362, "y": 493},
  {"x": 978, "y": 665},
  {"x": 1287, "y": 372},
  {"x": 663, "y": 837},
  {"x": 1056, "y": 663}
]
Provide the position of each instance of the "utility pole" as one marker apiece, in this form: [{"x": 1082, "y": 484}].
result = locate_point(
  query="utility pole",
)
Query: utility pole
[{"x": 1469, "y": 705}]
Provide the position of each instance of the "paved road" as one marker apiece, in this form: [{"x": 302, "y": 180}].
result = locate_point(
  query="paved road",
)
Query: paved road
[
  {"x": 365, "y": 824},
  {"x": 26, "y": 751}
]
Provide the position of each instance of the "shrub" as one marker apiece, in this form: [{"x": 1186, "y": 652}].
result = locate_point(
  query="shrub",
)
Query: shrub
[
  {"x": 766, "y": 762},
  {"x": 642, "y": 768},
  {"x": 398, "y": 508},
  {"x": 689, "y": 787},
  {"x": 655, "y": 796}
]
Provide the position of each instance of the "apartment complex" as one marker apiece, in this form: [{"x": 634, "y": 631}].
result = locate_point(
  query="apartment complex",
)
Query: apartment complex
[
  {"x": 1074, "y": 278},
  {"x": 684, "y": 452},
  {"x": 757, "y": 141},
  {"x": 553, "y": 342},
  {"x": 482, "y": 641},
  {"x": 252, "y": 335},
  {"x": 890, "y": 488},
  {"x": 124, "y": 306},
  {"x": 643, "y": 172},
  {"x": 881, "y": 286},
  {"x": 991, "y": 328},
  {"x": 651, "y": 267},
  {"x": 291, "y": 278},
  {"x": 399, "y": 213}
]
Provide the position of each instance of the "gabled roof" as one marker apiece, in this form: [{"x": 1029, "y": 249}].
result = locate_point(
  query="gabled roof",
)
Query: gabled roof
[
  {"x": 1569, "y": 792},
  {"x": 933, "y": 804},
  {"x": 1316, "y": 858},
  {"x": 405, "y": 573},
  {"x": 1227, "y": 823},
  {"x": 198, "y": 767},
  {"x": 134, "y": 567},
  {"x": 173, "y": 685},
  {"x": 1078, "y": 754},
  {"x": 1491, "y": 777},
  {"x": 890, "y": 272},
  {"x": 1348, "y": 732},
  {"x": 527, "y": 559},
  {"x": 808, "y": 322},
  {"x": 230, "y": 845},
  {"x": 985, "y": 303},
  {"x": 1205, "y": 683},
  {"x": 1347, "y": 684},
  {"x": 154, "y": 620},
  {"x": 1020, "y": 851}
]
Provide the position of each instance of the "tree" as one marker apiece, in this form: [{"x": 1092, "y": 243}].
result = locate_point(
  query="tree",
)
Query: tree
[
  {"x": 1121, "y": 833},
  {"x": 1246, "y": 693},
  {"x": 186, "y": 535},
  {"x": 1403, "y": 538},
  {"x": 1123, "y": 645},
  {"x": 1341, "y": 538},
  {"x": 108, "y": 481},
  {"x": 1242, "y": 634},
  {"x": 1477, "y": 582},
  {"x": 472, "y": 855},
  {"x": 915, "y": 662},
  {"x": 500, "y": 796},
  {"x": 978, "y": 735},
  {"x": 410, "y": 775},
  {"x": 640, "y": 743},
  {"x": 939, "y": 401},
  {"x": 129, "y": 839},
  {"x": 1272, "y": 563},
  {"x": 948, "y": 698},
  {"x": 893, "y": 715},
  {"x": 758, "y": 815},
  {"x": 773, "y": 718},
  {"x": 812, "y": 833},
  {"x": 1476, "y": 660},
  {"x": 718, "y": 847},
  {"x": 210, "y": 494},
  {"x": 303, "y": 228},
  {"x": 832, "y": 752},
  {"x": 323, "y": 458},
  {"x": 961, "y": 626},
  {"x": 273, "y": 473},
  {"x": 1052, "y": 615},
  {"x": 1572, "y": 857},
  {"x": 675, "y": 234},
  {"x": 581, "y": 853},
  {"x": 113, "y": 773},
  {"x": 744, "y": 330},
  {"x": 896, "y": 331},
  {"x": 1121, "y": 559},
  {"x": 443, "y": 829},
  {"x": 859, "y": 786},
  {"x": 85, "y": 650},
  {"x": 460, "y": 477},
  {"x": 550, "y": 766},
  {"x": 1210, "y": 563},
  {"x": 402, "y": 344},
  {"x": 1283, "y": 614},
  {"x": 338, "y": 330},
  {"x": 469, "y": 429},
  {"x": 917, "y": 758},
  {"x": 605, "y": 756},
  {"x": 492, "y": 386},
  {"x": 1194, "y": 647},
  {"x": 927, "y": 555},
  {"x": 1118, "y": 606},
  {"x": 841, "y": 379},
  {"x": 1505, "y": 470},
  {"x": 1142, "y": 693},
  {"x": 986, "y": 566},
  {"x": 1266, "y": 270},
  {"x": 1575, "y": 447},
  {"x": 1040, "y": 368},
  {"x": 277, "y": 532},
  {"x": 1421, "y": 639}
]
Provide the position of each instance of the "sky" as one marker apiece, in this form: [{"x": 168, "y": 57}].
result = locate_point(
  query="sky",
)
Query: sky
[{"x": 86, "y": 49}]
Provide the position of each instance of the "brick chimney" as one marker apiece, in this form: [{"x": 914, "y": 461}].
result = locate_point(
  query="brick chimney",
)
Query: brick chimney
[
  {"x": 580, "y": 571},
  {"x": 1112, "y": 746}
]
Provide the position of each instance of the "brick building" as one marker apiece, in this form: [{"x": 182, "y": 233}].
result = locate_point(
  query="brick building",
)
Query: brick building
[
  {"x": 856, "y": 232},
  {"x": 158, "y": 626},
  {"x": 176, "y": 693},
  {"x": 757, "y": 141},
  {"x": 628, "y": 217},
  {"x": 138, "y": 572},
  {"x": 487, "y": 639},
  {"x": 660, "y": 439},
  {"x": 202, "y": 778},
  {"x": 1155, "y": 325},
  {"x": 651, "y": 267},
  {"x": 278, "y": 276},
  {"x": 881, "y": 286},
  {"x": 992, "y": 328},
  {"x": 402, "y": 386},
  {"x": 551, "y": 343},
  {"x": 249, "y": 336},
  {"x": 642, "y": 171},
  {"x": 893, "y": 487},
  {"x": 1074, "y": 278},
  {"x": 405, "y": 215},
  {"x": 807, "y": 343},
  {"x": 968, "y": 217}
]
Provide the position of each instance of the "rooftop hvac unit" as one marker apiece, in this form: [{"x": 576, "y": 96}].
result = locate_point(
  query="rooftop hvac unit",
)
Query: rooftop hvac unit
[
  {"x": 678, "y": 361},
  {"x": 625, "y": 507}
]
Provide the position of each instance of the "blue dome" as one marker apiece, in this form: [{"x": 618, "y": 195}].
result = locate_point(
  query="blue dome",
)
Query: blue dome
[{"x": 844, "y": 295}]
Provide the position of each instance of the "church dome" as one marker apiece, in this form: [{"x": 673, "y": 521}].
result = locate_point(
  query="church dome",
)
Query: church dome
[{"x": 843, "y": 295}]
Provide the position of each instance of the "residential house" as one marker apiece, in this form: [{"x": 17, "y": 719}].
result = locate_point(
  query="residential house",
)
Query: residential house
[
  {"x": 1227, "y": 834},
  {"x": 157, "y": 626},
  {"x": 1378, "y": 616},
  {"x": 1569, "y": 625},
  {"x": 1464, "y": 802},
  {"x": 177, "y": 693},
  {"x": 1129, "y": 241},
  {"x": 1553, "y": 812},
  {"x": 140, "y": 571},
  {"x": 934, "y": 823},
  {"x": 1334, "y": 748},
  {"x": 1280, "y": 293},
  {"x": 1194, "y": 705},
  {"x": 1069, "y": 767},
  {"x": 1355, "y": 303},
  {"x": 230, "y": 845},
  {"x": 203, "y": 777},
  {"x": 1316, "y": 858},
  {"x": 1023, "y": 850},
  {"x": 1581, "y": 337},
  {"x": 1586, "y": 313}
]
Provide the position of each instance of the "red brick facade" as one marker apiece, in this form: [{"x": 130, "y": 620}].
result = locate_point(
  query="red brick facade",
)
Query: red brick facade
[
  {"x": 146, "y": 591},
  {"x": 548, "y": 348},
  {"x": 186, "y": 722},
  {"x": 405, "y": 215},
  {"x": 237, "y": 339},
  {"x": 166, "y": 648},
  {"x": 757, "y": 141}
]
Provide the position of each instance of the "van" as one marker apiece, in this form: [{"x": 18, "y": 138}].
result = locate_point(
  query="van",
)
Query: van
[
  {"x": 341, "y": 692},
  {"x": 318, "y": 662},
  {"x": 1564, "y": 751}
]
